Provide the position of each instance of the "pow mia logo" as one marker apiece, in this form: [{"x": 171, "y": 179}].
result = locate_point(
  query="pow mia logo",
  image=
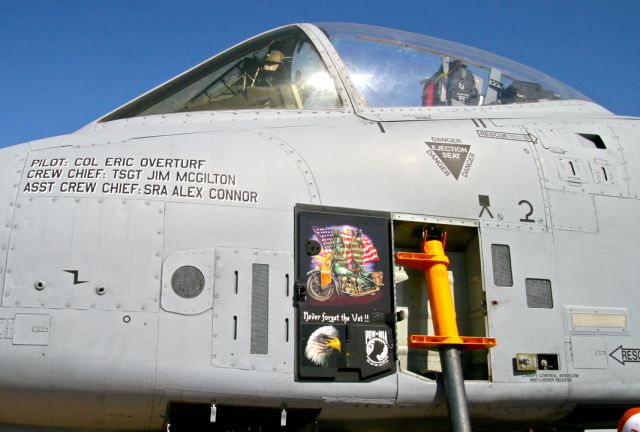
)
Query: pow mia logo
[{"x": 377, "y": 347}]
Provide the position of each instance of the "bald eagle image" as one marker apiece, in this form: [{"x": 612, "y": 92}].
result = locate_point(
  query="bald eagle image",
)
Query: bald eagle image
[{"x": 322, "y": 344}]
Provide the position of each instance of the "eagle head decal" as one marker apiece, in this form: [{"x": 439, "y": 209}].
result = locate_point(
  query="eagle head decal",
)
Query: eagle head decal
[{"x": 322, "y": 344}]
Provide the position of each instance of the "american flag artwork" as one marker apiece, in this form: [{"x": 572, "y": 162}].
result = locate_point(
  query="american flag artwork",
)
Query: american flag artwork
[{"x": 351, "y": 241}]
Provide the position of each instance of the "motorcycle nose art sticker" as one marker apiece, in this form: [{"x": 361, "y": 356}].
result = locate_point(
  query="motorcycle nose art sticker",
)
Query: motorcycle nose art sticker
[{"x": 344, "y": 270}]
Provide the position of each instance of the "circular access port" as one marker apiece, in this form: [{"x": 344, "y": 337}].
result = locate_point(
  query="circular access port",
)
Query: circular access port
[
  {"x": 40, "y": 285},
  {"x": 187, "y": 282},
  {"x": 101, "y": 290}
]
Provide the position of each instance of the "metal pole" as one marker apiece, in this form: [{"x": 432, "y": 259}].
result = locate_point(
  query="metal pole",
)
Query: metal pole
[
  {"x": 454, "y": 389},
  {"x": 434, "y": 263}
]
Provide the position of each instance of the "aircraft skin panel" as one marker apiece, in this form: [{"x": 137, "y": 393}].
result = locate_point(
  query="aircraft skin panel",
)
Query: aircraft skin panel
[
  {"x": 80, "y": 277},
  {"x": 165, "y": 168},
  {"x": 573, "y": 211},
  {"x": 12, "y": 162},
  {"x": 627, "y": 134},
  {"x": 532, "y": 256},
  {"x": 509, "y": 399},
  {"x": 96, "y": 371},
  {"x": 236, "y": 341},
  {"x": 425, "y": 184},
  {"x": 574, "y": 163},
  {"x": 203, "y": 121},
  {"x": 609, "y": 280}
]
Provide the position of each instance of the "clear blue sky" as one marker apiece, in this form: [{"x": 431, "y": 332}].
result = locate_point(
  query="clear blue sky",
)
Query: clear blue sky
[{"x": 67, "y": 62}]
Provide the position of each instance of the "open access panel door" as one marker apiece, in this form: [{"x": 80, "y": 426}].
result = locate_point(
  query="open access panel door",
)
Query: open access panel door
[{"x": 345, "y": 307}]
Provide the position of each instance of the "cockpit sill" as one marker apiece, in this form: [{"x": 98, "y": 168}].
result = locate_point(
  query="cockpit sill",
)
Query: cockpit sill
[{"x": 210, "y": 120}]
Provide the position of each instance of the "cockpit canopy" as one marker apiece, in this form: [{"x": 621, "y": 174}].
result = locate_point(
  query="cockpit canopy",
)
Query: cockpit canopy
[
  {"x": 386, "y": 68},
  {"x": 394, "y": 68}
]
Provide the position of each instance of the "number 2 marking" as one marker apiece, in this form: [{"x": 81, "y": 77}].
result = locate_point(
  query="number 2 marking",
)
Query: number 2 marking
[{"x": 526, "y": 217}]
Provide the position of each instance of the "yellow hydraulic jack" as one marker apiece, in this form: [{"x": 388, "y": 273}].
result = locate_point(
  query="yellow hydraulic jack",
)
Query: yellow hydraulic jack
[{"x": 434, "y": 263}]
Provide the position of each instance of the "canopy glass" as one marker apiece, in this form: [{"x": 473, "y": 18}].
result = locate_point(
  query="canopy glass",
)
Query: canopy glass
[
  {"x": 388, "y": 68},
  {"x": 393, "y": 68}
]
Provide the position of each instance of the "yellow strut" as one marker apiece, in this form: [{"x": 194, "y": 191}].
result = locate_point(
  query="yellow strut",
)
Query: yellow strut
[{"x": 435, "y": 264}]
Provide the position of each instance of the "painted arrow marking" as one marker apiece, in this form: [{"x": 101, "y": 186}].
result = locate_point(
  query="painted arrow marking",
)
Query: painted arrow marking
[
  {"x": 76, "y": 281},
  {"x": 625, "y": 355}
]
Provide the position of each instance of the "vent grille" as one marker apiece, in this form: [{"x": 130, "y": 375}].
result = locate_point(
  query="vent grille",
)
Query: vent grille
[
  {"x": 501, "y": 259},
  {"x": 539, "y": 293},
  {"x": 260, "y": 309}
]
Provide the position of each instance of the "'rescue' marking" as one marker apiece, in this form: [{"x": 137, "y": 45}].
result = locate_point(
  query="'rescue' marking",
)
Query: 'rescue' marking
[
  {"x": 625, "y": 355},
  {"x": 503, "y": 135}
]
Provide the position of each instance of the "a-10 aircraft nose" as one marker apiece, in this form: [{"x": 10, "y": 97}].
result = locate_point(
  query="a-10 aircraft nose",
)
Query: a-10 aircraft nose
[{"x": 226, "y": 243}]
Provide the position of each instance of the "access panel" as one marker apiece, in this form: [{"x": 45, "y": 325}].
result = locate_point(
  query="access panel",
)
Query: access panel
[{"x": 344, "y": 295}]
